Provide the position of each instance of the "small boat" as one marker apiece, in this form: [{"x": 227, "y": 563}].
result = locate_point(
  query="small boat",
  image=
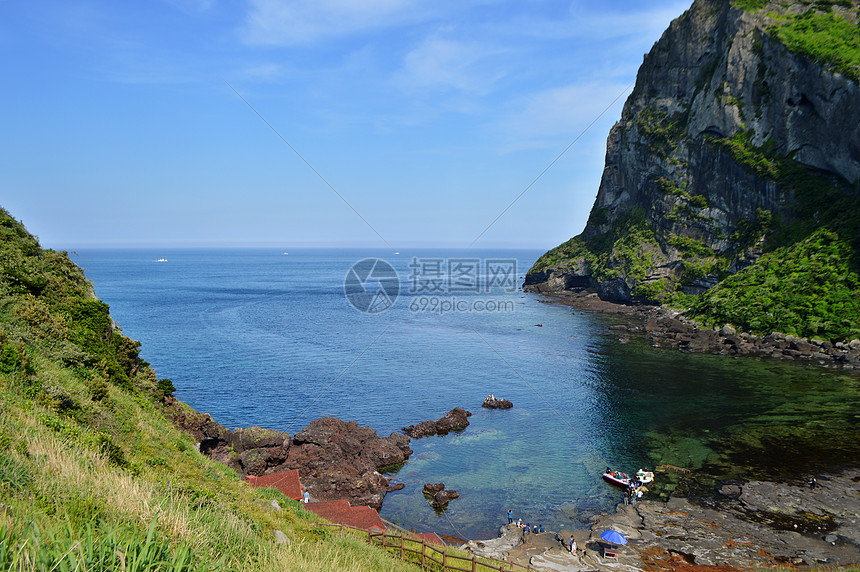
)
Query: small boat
[
  {"x": 644, "y": 476},
  {"x": 161, "y": 260},
  {"x": 616, "y": 478}
]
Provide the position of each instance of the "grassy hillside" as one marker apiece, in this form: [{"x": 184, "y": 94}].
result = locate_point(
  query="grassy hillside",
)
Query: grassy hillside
[{"x": 92, "y": 475}]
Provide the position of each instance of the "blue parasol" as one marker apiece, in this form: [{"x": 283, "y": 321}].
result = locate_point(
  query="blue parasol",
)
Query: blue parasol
[{"x": 613, "y": 537}]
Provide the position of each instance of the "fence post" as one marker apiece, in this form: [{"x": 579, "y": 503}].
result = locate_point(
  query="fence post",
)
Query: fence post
[
  {"x": 474, "y": 563},
  {"x": 445, "y": 560},
  {"x": 401, "y": 546},
  {"x": 369, "y": 536},
  {"x": 423, "y": 553}
]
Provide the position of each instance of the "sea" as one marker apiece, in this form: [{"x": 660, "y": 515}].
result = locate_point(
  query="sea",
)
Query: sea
[{"x": 277, "y": 339}]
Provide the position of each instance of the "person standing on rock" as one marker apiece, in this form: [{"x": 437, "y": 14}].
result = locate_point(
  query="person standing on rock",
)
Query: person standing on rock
[
  {"x": 306, "y": 498},
  {"x": 510, "y": 516},
  {"x": 572, "y": 545}
]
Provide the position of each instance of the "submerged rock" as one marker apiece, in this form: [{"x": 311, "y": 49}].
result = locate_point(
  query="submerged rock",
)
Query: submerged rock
[{"x": 439, "y": 497}]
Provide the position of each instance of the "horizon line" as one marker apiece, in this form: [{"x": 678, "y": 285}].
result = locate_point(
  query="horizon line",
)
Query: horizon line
[{"x": 286, "y": 248}]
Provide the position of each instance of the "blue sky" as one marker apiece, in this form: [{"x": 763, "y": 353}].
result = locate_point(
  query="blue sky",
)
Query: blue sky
[{"x": 428, "y": 116}]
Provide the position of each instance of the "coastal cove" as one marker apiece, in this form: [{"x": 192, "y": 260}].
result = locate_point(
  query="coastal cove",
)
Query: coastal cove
[{"x": 257, "y": 337}]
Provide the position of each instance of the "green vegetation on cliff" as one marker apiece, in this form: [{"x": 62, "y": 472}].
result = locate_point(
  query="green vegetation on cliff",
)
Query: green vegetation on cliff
[
  {"x": 808, "y": 289},
  {"x": 826, "y": 38},
  {"x": 629, "y": 248},
  {"x": 808, "y": 284},
  {"x": 93, "y": 476}
]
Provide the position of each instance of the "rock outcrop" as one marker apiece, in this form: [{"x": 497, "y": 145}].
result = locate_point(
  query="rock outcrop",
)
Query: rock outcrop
[
  {"x": 340, "y": 459},
  {"x": 250, "y": 451},
  {"x": 687, "y": 335},
  {"x": 681, "y": 203},
  {"x": 455, "y": 420},
  {"x": 336, "y": 459},
  {"x": 510, "y": 536},
  {"x": 493, "y": 402},
  {"x": 439, "y": 496}
]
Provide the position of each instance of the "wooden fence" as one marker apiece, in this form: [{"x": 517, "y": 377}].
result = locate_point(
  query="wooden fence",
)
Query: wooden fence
[{"x": 427, "y": 554}]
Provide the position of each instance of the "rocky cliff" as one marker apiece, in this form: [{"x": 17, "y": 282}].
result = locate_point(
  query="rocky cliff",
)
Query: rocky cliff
[{"x": 739, "y": 143}]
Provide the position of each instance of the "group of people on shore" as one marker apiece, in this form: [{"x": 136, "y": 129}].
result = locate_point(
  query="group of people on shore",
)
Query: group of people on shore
[
  {"x": 526, "y": 528},
  {"x": 632, "y": 492}
]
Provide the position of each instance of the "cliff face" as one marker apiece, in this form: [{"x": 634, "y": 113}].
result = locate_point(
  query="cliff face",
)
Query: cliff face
[{"x": 725, "y": 146}]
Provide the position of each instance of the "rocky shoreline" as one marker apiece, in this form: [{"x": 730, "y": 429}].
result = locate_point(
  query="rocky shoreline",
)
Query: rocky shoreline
[
  {"x": 744, "y": 526},
  {"x": 337, "y": 459},
  {"x": 670, "y": 328}
]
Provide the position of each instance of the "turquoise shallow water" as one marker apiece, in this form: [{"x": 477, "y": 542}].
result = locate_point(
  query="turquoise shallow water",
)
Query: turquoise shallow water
[{"x": 256, "y": 337}]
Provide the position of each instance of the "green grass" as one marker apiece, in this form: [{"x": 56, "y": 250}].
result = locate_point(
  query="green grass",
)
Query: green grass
[
  {"x": 667, "y": 186},
  {"x": 690, "y": 246},
  {"x": 828, "y": 39},
  {"x": 98, "y": 547},
  {"x": 750, "y": 5},
  {"x": 561, "y": 254}
]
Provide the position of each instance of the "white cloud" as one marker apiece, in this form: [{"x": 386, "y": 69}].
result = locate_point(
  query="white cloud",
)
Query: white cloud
[
  {"x": 566, "y": 111},
  {"x": 441, "y": 64},
  {"x": 291, "y": 22}
]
